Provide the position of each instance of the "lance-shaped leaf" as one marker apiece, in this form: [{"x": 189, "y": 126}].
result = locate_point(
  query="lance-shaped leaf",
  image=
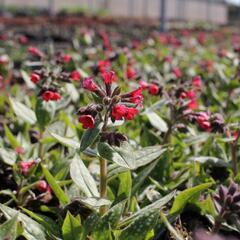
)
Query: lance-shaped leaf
[
  {"x": 23, "y": 112},
  {"x": 8, "y": 156},
  {"x": 187, "y": 195},
  {"x": 60, "y": 194},
  {"x": 8, "y": 230},
  {"x": 140, "y": 226},
  {"x": 157, "y": 121},
  {"x": 32, "y": 229},
  {"x": 71, "y": 229},
  {"x": 89, "y": 136},
  {"x": 81, "y": 176},
  {"x": 125, "y": 156}
]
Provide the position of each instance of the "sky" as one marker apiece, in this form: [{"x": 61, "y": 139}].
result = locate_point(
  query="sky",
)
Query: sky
[{"x": 234, "y": 1}]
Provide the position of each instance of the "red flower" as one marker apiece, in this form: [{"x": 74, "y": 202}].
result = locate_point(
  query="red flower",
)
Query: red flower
[
  {"x": 66, "y": 58},
  {"x": 104, "y": 65},
  {"x": 19, "y": 150},
  {"x": 89, "y": 84},
  {"x": 135, "y": 96},
  {"x": 177, "y": 72},
  {"x": 108, "y": 77},
  {"x": 131, "y": 73},
  {"x": 75, "y": 75},
  {"x": 197, "y": 81},
  {"x": 50, "y": 95},
  {"x": 25, "y": 166},
  {"x": 191, "y": 94},
  {"x": 35, "y": 52},
  {"x": 193, "y": 104},
  {"x": 203, "y": 121},
  {"x": 87, "y": 121},
  {"x": 34, "y": 77},
  {"x": 131, "y": 113},
  {"x": 143, "y": 84},
  {"x": 23, "y": 39},
  {"x": 120, "y": 112},
  {"x": 153, "y": 89},
  {"x": 42, "y": 186},
  {"x": 168, "y": 59},
  {"x": 4, "y": 59}
]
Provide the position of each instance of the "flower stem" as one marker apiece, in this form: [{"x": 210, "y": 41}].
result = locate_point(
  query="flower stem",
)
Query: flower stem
[
  {"x": 40, "y": 149},
  {"x": 103, "y": 182}
]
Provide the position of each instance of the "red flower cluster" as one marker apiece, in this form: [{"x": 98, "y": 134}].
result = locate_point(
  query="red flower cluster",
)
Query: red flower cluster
[
  {"x": 34, "y": 77},
  {"x": 120, "y": 112},
  {"x": 66, "y": 58},
  {"x": 153, "y": 88},
  {"x": 26, "y": 166},
  {"x": 87, "y": 121},
  {"x": 203, "y": 121},
  {"x": 42, "y": 186},
  {"x": 36, "y": 52},
  {"x": 75, "y": 75},
  {"x": 112, "y": 99},
  {"x": 51, "y": 96}
]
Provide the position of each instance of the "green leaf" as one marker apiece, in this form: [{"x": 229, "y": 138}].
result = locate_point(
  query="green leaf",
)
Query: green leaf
[
  {"x": 108, "y": 221},
  {"x": 141, "y": 226},
  {"x": 60, "y": 194},
  {"x": 125, "y": 184},
  {"x": 185, "y": 196},
  {"x": 45, "y": 221},
  {"x": 157, "y": 121},
  {"x": 27, "y": 79},
  {"x": 23, "y": 112},
  {"x": 32, "y": 229},
  {"x": 81, "y": 176},
  {"x": 71, "y": 229},
  {"x": 42, "y": 114},
  {"x": 170, "y": 227},
  {"x": 89, "y": 136},
  {"x": 89, "y": 224},
  {"x": 11, "y": 138},
  {"x": 127, "y": 157},
  {"x": 209, "y": 160},
  {"x": 8, "y": 230},
  {"x": 157, "y": 205},
  {"x": 8, "y": 156},
  {"x": 68, "y": 142}
]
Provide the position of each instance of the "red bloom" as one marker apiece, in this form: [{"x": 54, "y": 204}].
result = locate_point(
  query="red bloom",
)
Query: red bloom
[
  {"x": 131, "y": 113},
  {"x": 153, "y": 89},
  {"x": 131, "y": 73},
  {"x": 203, "y": 121},
  {"x": 135, "y": 96},
  {"x": 34, "y": 77},
  {"x": 89, "y": 84},
  {"x": 19, "y": 150},
  {"x": 177, "y": 72},
  {"x": 193, "y": 104},
  {"x": 104, "y": 65},
  {"x": 25, "y": 166},
  {"x": 23, "y": 39},
  {"x": 87, "y": 121},
  {"x": 108, "y": 77},
  {"x": 35, "y": 52},
  {"x": 4, "y": 59},
  {"x": 50, "y": 95},
  {"x": 197, "y": 81},
  {"x": 168, "y": 59},
  {"x": 75, "y": 75},
  {"x": 143, "y": 84},
  {"x": 42, "y": 186},
  {"x": 191, "y": 94},
  {"x": 66, "y": 58},
  {"x": 120, "y": 112}
]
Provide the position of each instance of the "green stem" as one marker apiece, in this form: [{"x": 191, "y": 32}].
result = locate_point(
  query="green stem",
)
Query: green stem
[
  {"x": 103, "y": 182},
  {"x": 40, "y": 149}
]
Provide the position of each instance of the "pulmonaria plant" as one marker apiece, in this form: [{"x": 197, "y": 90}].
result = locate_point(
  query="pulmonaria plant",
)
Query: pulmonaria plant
[
  {"x": 227, "y": 203},
  {"x": 111, "y": 105}
]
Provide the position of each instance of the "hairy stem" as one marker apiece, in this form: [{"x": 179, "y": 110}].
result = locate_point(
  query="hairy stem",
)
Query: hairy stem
[
  {"x": 40, "y": 149},
  {"x": 103, "y": 182}
]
